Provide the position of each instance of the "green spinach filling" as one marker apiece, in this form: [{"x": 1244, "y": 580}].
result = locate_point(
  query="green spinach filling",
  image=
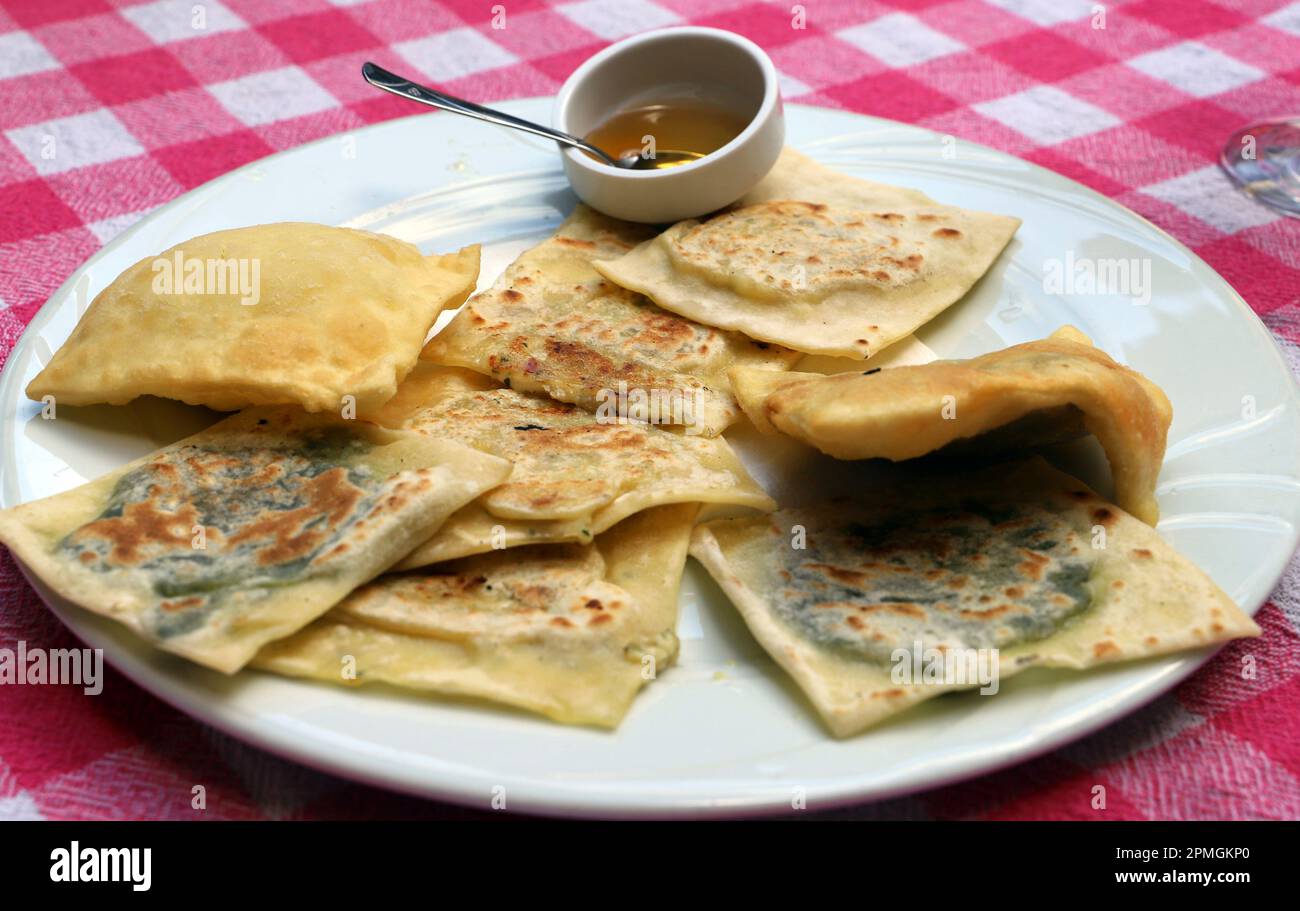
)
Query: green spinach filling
[
  {"x": 975, "y": 575},
  {"x": 268, "y": 517}
]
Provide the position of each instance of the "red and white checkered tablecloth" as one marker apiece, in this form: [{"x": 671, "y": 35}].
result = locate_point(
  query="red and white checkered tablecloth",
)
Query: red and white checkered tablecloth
[{"x": 145, "y": 100}]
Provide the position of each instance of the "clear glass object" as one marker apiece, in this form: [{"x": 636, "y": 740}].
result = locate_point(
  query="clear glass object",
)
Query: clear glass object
[{"x": 1264, "y": 160}]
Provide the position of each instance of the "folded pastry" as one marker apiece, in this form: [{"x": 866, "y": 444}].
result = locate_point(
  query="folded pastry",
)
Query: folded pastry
[
  {"x": 277, "y": 314},
  {"x": 1035, "y": 393}
]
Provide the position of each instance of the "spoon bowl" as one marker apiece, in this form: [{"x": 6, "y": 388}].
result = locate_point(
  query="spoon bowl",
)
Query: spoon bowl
[{"x": 664, "y": 158}]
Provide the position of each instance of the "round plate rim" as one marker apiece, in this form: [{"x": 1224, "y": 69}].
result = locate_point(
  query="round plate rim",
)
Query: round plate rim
[{"x": 578, "y": 800}]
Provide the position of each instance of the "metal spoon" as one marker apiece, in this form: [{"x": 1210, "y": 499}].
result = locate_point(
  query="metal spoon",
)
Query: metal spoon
[{"x": 381, "y": 78}]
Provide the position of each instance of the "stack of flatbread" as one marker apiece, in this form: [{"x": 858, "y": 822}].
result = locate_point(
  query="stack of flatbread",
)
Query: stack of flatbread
[{"x": 504, "y": 511}]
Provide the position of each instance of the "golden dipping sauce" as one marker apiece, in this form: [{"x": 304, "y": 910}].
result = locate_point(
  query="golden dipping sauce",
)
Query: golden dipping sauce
[{"x": 687, "y": 129}]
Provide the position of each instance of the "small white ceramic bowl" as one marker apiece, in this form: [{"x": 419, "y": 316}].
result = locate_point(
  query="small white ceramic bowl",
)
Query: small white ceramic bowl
[{"x": 705, "y": 64}]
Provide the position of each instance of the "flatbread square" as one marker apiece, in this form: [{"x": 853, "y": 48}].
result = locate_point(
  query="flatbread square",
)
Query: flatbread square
[
  {"x": 575, "y": 474},
  {"x": 247, "y": 531},
  {"x": 552, "y": 324},
  {"x": 569, "y": 631},
  {"x": 817, "y": 261},
  {"x": 1012, "y": 567}
]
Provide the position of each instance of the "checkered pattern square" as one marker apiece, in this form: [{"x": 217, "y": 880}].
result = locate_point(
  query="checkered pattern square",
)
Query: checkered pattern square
[{"x": 110, "y": 108}]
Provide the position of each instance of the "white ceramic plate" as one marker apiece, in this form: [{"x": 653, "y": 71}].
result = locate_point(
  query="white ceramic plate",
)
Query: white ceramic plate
[{"x": 723, "y": 732}]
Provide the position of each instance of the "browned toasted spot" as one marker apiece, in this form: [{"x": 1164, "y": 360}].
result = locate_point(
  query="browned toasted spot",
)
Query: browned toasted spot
[
  {"x": 1141, "y": 552},
  {"x": 946, "y": 232},
  {"x": 905, "y": 608},
  {"x": 912, "y": 261},
  {"x": 1151, "y": 640},
  {"x": 540, "y": 499},
  {"x": 569, "y": 358},
  {"x": 665, "y": 331},
  {"x": 574, "y": 242},
  {"x": 470, "y": 583},
  {"x": 329, "y": 495},
  {"x": 561, "y": 621},
  {"x": 839, "y": 574},
  {"x": 599, "y": 619},
  {"x": 987, "y": 614},
  {"x": 810, "y": 206},
  {"x": 1105, "y": 649},
  {"x": 1032, "y": 565},
  {"x": 512, "y": 295},
  {"x": 1014, "y": 591},
  {"x": 181, "y": 604},
  {"x": 1012, "y": 524},
  {"x": 1118, "y": 583},
  {"x": 143, "y": 526},
  {"x": 1104, "y": 516}
]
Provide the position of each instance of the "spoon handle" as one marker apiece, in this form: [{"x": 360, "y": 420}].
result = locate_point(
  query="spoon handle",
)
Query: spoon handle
[{"x": 381, "y": 78}]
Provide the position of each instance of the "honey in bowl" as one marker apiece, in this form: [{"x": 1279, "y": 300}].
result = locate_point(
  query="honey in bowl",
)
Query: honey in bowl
[{"x": 688, "y": 129}]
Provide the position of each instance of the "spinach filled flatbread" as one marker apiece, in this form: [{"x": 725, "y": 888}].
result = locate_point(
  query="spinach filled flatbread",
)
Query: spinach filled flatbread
[
  {"x": 1015, "y": 566},
  {"x": 247, "y": 531}
]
